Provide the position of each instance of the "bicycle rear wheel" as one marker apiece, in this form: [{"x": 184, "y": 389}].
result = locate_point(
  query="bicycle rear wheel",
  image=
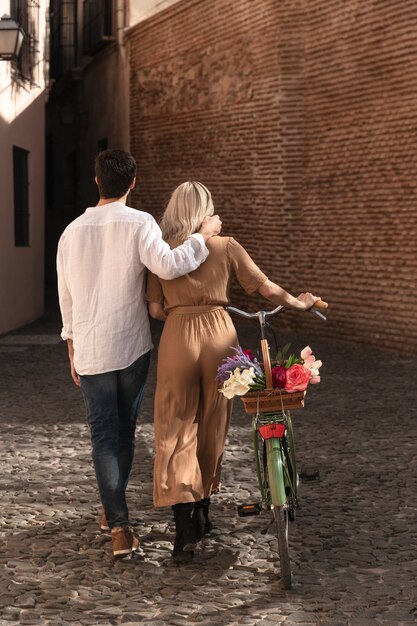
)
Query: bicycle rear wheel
[
  {"x": 277, "y": 472},
  {"x": 281, "y": 529}
]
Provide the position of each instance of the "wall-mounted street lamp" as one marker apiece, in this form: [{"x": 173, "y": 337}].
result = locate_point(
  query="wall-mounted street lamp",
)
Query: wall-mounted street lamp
[{"x": 11, "y": 38}]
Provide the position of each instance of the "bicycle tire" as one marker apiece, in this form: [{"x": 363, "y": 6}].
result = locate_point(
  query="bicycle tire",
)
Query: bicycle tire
[
  {"x": 281, "y": 527},
  {"x": 275, "y": 459}
]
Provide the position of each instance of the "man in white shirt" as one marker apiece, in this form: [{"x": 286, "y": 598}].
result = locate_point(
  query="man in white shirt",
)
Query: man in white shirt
[{"x": 101, "y": 264}]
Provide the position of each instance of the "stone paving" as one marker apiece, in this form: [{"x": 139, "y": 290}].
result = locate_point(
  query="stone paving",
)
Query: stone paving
[{"x": 353, "y": 545}]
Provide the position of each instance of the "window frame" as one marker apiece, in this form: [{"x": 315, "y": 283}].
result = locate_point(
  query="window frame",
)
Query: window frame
[{"x": 21, "y": 187}]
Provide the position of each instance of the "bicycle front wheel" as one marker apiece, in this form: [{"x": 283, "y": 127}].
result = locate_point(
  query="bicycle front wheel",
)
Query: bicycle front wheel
[{"x": 281, "y": 528}]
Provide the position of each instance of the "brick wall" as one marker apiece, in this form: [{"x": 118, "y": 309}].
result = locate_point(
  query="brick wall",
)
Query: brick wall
[
  {"x": 360, "y": 174},
  {"x": 301, "y": 118}
]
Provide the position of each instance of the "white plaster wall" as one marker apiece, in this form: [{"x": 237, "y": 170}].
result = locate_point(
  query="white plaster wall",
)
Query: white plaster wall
[
  {"x": 142, "y": 9},
  {"x": 22, "y": 123}
]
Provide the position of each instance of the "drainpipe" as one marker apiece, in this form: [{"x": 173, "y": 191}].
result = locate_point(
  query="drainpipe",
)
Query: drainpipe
[
  {"x": 121, "y": 10},
  {"x": 121, "y": 21}
]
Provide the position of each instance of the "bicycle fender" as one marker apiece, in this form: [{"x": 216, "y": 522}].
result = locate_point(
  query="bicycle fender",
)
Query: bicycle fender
[{"x": 275, "y": 472}]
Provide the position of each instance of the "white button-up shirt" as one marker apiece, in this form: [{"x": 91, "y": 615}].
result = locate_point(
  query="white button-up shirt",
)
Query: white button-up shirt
[{"x": 101, "y": 261}]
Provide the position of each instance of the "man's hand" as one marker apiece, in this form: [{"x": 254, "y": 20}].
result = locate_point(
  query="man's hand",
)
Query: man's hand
[
  {"x": 74, "y": 374},
  {"x": 210, "y": 227}
]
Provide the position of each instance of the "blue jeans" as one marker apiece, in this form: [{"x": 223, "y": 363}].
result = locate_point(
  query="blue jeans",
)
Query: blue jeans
[{"x": 112, "y": 401}]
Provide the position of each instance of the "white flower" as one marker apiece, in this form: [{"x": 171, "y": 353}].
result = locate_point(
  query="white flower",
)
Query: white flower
[
  {"x": 314, "y": 368},
  {"x": 310, "y": 363},
  {"x": 238, "y": 383}
]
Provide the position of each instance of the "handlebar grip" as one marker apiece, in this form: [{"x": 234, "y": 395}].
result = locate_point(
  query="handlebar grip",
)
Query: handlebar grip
[{"x": 320, "y": 304}]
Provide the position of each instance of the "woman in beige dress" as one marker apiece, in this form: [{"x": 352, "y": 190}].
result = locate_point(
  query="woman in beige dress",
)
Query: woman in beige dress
[{"x": 191, "y": 417}]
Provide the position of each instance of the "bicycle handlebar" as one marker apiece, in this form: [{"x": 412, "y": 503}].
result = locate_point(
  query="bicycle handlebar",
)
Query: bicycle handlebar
[
  {"x": 232, "y": 309},
  {"x": 320, "y": 304}
]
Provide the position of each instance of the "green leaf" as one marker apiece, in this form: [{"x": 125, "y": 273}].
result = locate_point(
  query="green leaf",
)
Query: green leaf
[{"x": 289, "y": 361}]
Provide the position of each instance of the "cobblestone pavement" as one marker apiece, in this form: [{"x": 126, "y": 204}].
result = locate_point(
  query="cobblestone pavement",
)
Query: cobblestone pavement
[{"x": 353, "y": 545}]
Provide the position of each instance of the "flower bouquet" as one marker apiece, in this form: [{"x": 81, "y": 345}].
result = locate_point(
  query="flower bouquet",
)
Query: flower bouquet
[{"x": 243, "y": 375}]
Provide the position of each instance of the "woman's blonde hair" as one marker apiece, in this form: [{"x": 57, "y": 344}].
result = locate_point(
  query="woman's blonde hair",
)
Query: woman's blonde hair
[{"x": 189, "y": 204}]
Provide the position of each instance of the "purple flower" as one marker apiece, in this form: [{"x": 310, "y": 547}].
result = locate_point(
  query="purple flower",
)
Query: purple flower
[{"x": 240, "y": 360}]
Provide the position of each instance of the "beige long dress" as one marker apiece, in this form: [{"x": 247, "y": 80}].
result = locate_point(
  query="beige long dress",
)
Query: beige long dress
[{"x": 191, "y": 416}]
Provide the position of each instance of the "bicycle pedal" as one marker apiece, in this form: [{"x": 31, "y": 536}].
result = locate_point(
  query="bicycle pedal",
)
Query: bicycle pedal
[
  {"x": 308, "y": 477},
  {"x": 244, "y": 510}
]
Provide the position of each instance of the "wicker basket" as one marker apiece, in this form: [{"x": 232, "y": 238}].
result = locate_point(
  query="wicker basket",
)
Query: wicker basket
[{"x": 269, "y": 400}]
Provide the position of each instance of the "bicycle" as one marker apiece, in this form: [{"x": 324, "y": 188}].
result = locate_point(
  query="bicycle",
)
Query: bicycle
[{"x": 273, "y": 434}]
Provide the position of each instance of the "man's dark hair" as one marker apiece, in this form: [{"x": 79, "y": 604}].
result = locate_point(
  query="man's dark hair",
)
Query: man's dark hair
[{"x": 115, "y": 171}]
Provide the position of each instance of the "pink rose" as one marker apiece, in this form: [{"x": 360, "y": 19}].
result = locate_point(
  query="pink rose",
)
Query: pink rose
[
  {"x": 279, "y": 377},
  {"x": 306, "y": 352},
  {"x": 298, "y": 378}
]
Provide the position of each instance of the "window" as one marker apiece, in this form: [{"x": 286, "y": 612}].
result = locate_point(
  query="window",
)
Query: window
[
  {"x": 97, "y": 24},
  {"x": 21, "y": 196},
  {"x": 63, "y": 38}
]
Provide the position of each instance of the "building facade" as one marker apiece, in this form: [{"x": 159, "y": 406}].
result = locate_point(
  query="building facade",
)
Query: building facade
[
  {"x": 300, "y": 117},
  {"x": 88, "y": 105},
  {"x": 86, "y": 110},
  {"x": 22, "y": 169}
]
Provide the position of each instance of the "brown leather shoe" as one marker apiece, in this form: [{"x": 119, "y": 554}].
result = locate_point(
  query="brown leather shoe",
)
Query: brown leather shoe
[
  {"x": 124, "y": 541},
  {"x": 103, "y": 522}
]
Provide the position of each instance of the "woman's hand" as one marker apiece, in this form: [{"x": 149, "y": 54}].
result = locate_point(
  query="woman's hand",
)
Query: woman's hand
[
  {"x": 308, "y": 300},
  {"x": 156, "y": 310}
]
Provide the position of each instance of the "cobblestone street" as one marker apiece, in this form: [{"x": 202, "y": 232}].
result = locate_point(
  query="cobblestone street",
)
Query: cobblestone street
[{"x": 353, "y": 544}]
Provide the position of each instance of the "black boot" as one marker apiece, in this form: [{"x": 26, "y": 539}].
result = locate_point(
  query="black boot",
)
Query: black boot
[
  {"x": 185, "y": 534},
  {"x": 200, "y": 517}
]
